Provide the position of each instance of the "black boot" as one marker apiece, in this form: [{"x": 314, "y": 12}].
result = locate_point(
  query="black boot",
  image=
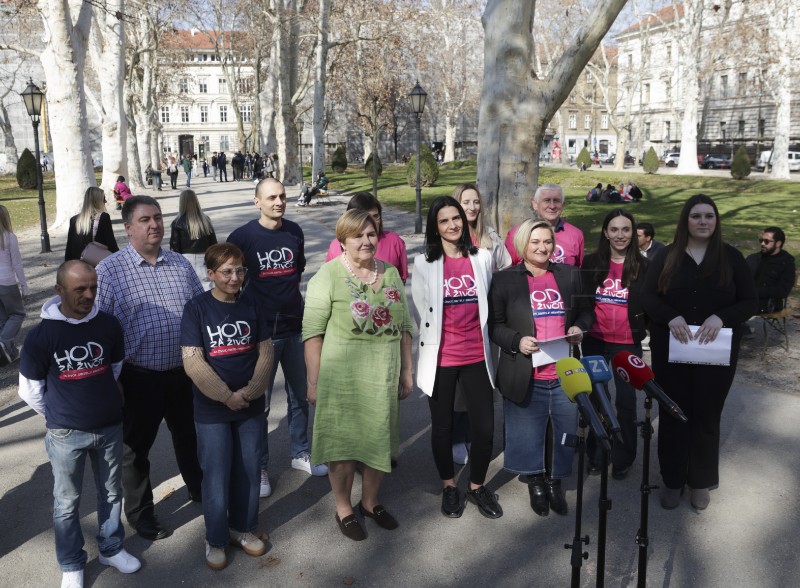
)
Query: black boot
[
  {"x": 555, "y": 496},
  {"x": 536, "y": 488}
]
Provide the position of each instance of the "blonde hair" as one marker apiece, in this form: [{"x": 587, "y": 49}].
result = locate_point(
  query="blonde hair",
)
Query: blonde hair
[
  {"x": 94, "y": 202},
  {"x": 523, "y": 235},
  {"x": 351, "y": 222},
  {"x": 479, "y": 232},
  {"x": 197, "y": 222},
  {"x": 5, "y": 225}
]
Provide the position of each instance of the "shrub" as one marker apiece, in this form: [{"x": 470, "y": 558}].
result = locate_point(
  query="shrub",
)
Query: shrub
[
  {"x": 339, "y": 160},
  {"x": 740, "y": 167},
  {"x": 584, "y": 159},
  {"x": 650, "y": 164},
  {"x": 26, "y": 171},
  {"x": 428, "y": 168},
  {"x": 455, "y": 164},
  {"x": 378, "y": 166}
]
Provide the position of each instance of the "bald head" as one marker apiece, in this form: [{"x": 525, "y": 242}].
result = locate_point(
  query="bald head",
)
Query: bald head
[
  {"x": 270, "y": 199},
  {"x": 76, "y": 284}
]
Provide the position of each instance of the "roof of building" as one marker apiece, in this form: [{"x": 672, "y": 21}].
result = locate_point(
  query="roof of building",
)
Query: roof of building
[
  {"x": 665, "y": 15},
  {"x": 203, "y": 40}
]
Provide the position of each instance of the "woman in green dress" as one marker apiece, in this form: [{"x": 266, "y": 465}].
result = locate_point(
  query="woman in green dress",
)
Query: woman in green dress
[{"x": 357, "y": 331}]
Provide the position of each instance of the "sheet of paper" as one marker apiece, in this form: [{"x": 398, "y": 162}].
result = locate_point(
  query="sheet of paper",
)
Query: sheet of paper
[
  {"x": 718, "y": 352},
  {"x": 550, "y": 351}
]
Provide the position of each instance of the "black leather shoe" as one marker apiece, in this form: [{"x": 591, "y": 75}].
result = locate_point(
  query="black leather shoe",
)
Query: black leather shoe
[
  {"x": 381, "y": 516},
  {"x": 539, "y": 502},
  {"x": 594, "y": 469},
  {"x": 452, "y": 505},
  {"x": 486, "y": 502},
  {"x": 620, "y": 473},
  {"x": 151, "y": 529},
  {"x": 555, "y": 496},
  {"x": 351, "y": 528},
  {"x": 196, "y": 495}
]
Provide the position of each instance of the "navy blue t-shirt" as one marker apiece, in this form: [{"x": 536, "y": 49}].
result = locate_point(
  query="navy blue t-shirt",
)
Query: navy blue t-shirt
[
  {"x": 275, "y": 262},
  {"x": 229, "y": 334},
  {"x": 75, "y": 362}
]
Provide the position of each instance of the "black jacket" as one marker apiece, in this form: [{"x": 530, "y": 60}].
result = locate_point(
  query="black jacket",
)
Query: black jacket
[
  {"x": 180, "y": 242},
  {"x": 636, "y": 315},
  {"x": 774, "y": 276},
  {"x": 76, "y": 243},
  {"x": 511, "y": 318}
]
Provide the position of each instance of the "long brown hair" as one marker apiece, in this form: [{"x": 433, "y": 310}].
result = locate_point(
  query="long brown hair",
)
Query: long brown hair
[
  {"x": 633, "y": 259},
  {"x": 714, "y": 259}
]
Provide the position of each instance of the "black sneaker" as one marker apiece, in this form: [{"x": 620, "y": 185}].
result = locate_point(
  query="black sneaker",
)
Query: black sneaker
[
  {"x": 452, "y": 505},
  {"x": 486, "y": 501}
]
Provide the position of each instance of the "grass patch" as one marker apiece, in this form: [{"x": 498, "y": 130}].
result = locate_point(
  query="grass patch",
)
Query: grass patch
[
  {"x": 23, "y": 205},
  {"x": 746, "y": 206}
]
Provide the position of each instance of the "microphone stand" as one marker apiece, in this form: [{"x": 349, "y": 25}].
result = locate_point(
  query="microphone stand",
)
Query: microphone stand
[
  {"x": 642, "y": 539},
  {"x": 578, "y": 542},
  {"x": 604, "y": 505}
]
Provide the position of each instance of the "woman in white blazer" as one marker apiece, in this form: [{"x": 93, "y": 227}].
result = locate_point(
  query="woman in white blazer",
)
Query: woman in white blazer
[{"x": 450, "y": 286}]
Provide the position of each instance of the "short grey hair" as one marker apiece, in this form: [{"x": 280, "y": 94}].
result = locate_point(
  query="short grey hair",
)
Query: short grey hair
[{"x": 548, "y": 187}]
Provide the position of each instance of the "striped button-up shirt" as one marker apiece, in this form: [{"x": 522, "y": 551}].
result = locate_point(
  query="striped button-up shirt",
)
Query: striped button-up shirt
[{"x": 148, "y": 301}]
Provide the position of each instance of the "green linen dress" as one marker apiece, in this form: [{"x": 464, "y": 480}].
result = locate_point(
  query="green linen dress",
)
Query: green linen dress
[{"x": 356, "y": 415}]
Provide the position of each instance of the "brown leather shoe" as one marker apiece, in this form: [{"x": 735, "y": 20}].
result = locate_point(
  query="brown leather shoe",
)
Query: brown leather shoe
[
  {"x": 351, "y": 528},
  {"x": 381, "y": 516}
]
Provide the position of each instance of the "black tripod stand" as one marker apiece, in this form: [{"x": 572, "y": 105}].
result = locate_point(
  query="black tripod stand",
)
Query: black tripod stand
[
  {"x": 578, "y": 555},
  {"x": 604, "y": 505},
  {"x": 642, "y": 539}
]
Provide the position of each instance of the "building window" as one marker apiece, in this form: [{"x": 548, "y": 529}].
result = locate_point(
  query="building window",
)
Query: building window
[
  {"x": 223, "y": 143},
  {"x": 573, "y": 98},
  {"x": 223, "y": 113},
  {"x": 669, "y": 52},
  {"x": 246, "y": 112},
  {"x": 762, "y": 125},
  {"x": 183, "y": 85},
  {"x": 588, "y": 77},
  {"x": 244, "y": 86},
  {"x": 223, "y": 87},
  {"x": 668, "y": 89},
  {"x": 723, "y": 86},
  {"x": 202, "y": 85},
  {"x": 165, "y": 114},
  {"x": 741, "y": 127},
  {"x": 587, "y": 122},
  {"x": 204, "y": 114},
  {"x": 743, "y": 83},
  {"x": 646, "y": 98},
  {"x": 184, "y": 114},
  {"x": 667, "y": 126},
  {"x": 630, "y": 60},
  {"x": 722, "y": 126},
  {"x": 573, "y": 120},
  {"x": 647, "y": 131},
  {"x": 604, "y": 120}
]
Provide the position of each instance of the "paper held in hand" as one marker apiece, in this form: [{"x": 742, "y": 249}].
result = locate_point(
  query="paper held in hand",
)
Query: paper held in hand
[
  {"x": 551, "y": 350},
  {"x": 718, "y": 352}
]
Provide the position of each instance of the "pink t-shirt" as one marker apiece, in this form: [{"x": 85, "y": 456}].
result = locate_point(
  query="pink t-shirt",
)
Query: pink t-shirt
[
  {"x": 391, "y": 249},
  {"x": 122, "y": 190},
  {"x": 611, "y": 308},
  {"x": 549, "y": 317},
  {"x": 462, "y": 338},
  {"x": 569, "y": 245}
]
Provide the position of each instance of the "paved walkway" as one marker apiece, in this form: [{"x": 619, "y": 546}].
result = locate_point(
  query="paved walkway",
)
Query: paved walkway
[{"x": 745, "y": 538}]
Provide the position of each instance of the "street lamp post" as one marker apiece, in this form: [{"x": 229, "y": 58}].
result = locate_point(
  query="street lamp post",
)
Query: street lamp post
[
  {"x": 300, "y": 146},
  {"x": 418, "y": 97},
  {"x": 33, "y": 98}
]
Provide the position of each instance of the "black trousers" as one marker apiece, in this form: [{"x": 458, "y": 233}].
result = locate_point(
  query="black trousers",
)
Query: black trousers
[
  {"x": 473, "y": 380},
  {"x": 151, "y": 397},
  {"x": 223, "y": 170}
]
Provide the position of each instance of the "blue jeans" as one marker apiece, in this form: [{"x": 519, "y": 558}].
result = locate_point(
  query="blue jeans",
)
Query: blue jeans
[
  {"x": 189, "y": 179},
  {"x": 526, "y": 427},
  {"x": 67, "y": 450},
  {"x": 289, "y": 353},
  {"x": 229, "y": 455},
  {"x": 12, "y": 313}
]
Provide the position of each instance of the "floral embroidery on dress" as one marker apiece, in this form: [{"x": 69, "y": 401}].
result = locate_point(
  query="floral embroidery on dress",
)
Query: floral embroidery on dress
[{"x": 372, "y": 319}]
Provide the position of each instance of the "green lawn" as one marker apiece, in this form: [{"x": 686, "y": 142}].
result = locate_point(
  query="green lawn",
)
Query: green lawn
[
  {"x": 23, "y": 205},
  {"x": 745, "y": 206}
]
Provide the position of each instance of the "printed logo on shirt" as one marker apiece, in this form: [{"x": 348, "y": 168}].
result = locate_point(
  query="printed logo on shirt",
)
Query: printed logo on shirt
[
  {"x": 611, "y": 292},
  {"x": 547, "y": 302},
  {"x": 230, "y": 339},
  {"x": 460, "y": 290},
  {"x": 559, "y": 255},
  {"x": 81, "y": 362},
  {"x": 277, "y": 262}
]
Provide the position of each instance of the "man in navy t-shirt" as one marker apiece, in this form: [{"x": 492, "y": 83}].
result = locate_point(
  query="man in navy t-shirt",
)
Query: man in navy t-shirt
[
  {"x": 275, "y": 257},
  {"x": 68, "y": 373}
]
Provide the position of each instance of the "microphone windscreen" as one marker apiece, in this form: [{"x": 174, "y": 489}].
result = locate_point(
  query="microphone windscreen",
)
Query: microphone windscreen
[
  {"x": 573, "y": 377},
  {"x": 597, "y": 368},
  {"x": 632, "y": 369}
]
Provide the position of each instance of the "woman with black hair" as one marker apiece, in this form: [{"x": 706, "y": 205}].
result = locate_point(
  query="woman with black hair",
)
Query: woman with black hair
[
  {"x": 450, "y": 287},
  {"x": 697, "y": 280},
  {"x": 613, "y": 280}
]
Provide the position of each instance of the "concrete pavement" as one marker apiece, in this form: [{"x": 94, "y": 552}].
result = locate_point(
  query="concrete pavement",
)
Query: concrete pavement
[{"x": 745, "y": 537}]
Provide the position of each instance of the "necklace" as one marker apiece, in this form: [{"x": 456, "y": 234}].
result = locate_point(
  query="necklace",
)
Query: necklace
[{"x": 350, "y": 269}]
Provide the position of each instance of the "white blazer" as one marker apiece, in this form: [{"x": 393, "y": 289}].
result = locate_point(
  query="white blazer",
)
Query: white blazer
[{"x": 427, "y": 290}]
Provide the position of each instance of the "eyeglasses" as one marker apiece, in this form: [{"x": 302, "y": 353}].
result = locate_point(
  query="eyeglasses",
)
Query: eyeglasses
[
  {"x": 228, "y": 273},
  {"x": 766, "y": 241}
]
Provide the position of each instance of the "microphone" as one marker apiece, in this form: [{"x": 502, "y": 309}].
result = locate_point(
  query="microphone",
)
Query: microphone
[
  {"x": 577, "y": 386},
  {"x": 636, "y": 372},
  {"x": 599, "y": 374}
]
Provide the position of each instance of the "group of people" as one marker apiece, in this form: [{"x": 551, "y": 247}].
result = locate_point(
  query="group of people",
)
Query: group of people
[
  {"x": 627, "y": 192},
  {"x": 491, "y": 314},
  {"x": 245, "y": 166}
]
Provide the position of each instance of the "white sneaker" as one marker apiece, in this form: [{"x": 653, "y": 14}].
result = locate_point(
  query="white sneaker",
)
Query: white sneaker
[
  {"x": 265, "y": 489},
  {"x": 303, "y": 462},
  {"x": 123, "y": 561},
  {"x": 460, "y": 453},
  {"x": 249, "y": 543},
  {"x": 72, "y": 579}
]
